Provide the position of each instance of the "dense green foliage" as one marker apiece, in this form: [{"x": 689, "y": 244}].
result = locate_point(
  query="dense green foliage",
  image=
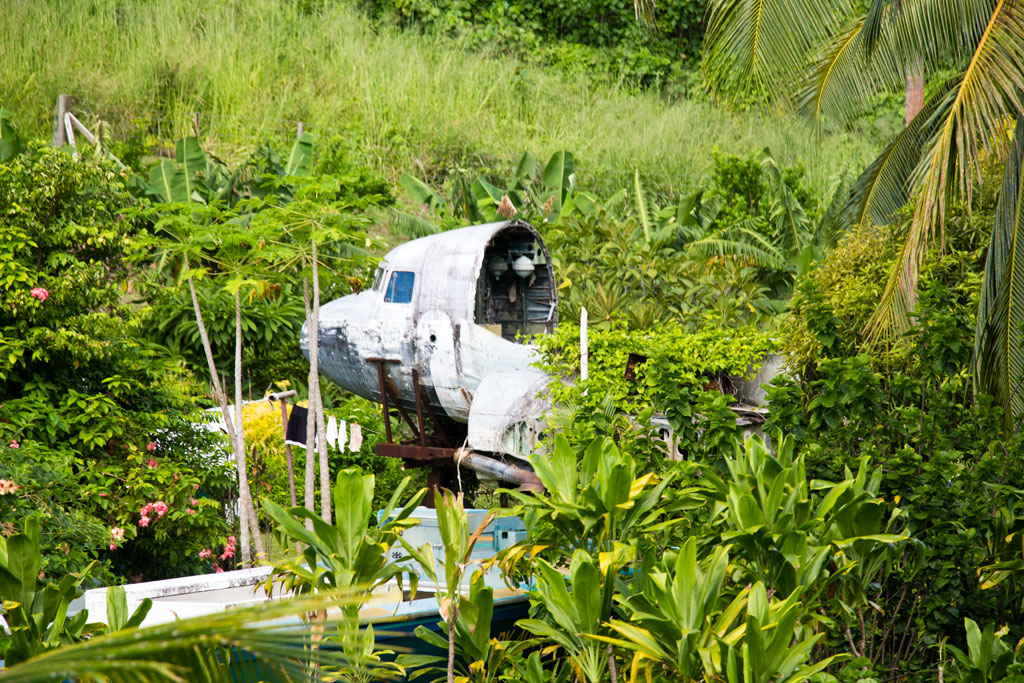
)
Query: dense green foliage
[
  {"x": 94, "y": 424},
  {"x": 577, "y": 37}
]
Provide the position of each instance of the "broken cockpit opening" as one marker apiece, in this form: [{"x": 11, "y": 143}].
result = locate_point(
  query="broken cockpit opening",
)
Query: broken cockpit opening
[{"x": 515, "y": 290}]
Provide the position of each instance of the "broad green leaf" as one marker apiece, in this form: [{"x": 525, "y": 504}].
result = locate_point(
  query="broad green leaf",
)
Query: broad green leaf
[
  {"x": 190, "y": 155},
  {"x": 419, "y": 192},
  {"x": 300, "y": 158}
]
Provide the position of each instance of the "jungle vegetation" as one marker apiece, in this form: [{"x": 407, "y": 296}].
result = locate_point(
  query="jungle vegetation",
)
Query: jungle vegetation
[{"x": 836, "y": 182}]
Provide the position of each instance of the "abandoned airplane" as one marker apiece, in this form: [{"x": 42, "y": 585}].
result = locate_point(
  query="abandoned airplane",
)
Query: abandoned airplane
[{"x": 441, "y": 337}]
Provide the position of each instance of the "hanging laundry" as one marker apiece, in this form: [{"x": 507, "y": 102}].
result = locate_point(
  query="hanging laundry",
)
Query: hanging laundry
[
  {"x": 296, "y": 432},
  {"x": 332, "y": 433},
  {"x": 355, "y": 441},
  {"x": 342, "y": 436}
]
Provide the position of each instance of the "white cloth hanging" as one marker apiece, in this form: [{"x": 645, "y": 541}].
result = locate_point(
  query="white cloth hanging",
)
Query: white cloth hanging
[
  {"x": 342, "y": 436},
  {"x": 355, "y": 442},
  {"x": 332, "y": 433}
]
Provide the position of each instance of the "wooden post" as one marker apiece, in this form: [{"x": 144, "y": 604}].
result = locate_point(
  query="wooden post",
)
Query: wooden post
[
  {"x": 60, "y": 136},
  {"x": 69, "y": 131},
  {"x": 195, "y": 123},
  {"x": 299, "y": 135}
]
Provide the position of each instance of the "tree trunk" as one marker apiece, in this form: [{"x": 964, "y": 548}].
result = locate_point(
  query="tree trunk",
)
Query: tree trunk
[
  {"x": 222, "y": 400},
  {"x": 309, "y": 484},
  {"x": 915, "y": 89},
  {"x": 245, "y": 501},
  {"x": 314, "y": 374},
  {"x": 453, "y": 613}
]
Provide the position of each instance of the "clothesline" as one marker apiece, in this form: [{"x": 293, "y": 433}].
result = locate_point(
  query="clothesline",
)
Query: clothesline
[{"x": 342, "y": 433}]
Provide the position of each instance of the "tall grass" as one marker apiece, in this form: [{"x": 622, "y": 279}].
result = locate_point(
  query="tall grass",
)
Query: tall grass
[{"x": 407, "y": 102}]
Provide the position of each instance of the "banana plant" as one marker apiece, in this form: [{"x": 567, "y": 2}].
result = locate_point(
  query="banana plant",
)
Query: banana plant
[
  {"x": 478, "y": 200},
  {"x": 194, "y": 176}
]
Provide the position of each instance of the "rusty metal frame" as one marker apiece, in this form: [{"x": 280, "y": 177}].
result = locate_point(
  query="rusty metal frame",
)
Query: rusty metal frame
[{"x": 386, "y": 389}]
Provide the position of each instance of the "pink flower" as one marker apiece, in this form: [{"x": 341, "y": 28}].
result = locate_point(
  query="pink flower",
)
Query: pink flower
[
  {"x": 7, "y": 486},
  {"x": 145, "y": 509},
  {"x": 151, "y": 446},
  {"x": 102, "y": 495},
  {"x": 15, "y": 444},
  {"x": 144, "y": 521},
  {"x": 117, "y": 533},
  {"x": 40, "y": 293},
  {"x": 195, "y": 486},
  {"x": 231, "y": 540},
  {"x": 176, "y": 477},
  {"x": 219, "y": 570},
  {"x": 151, "y": 464},
  {"x": 193, "y": 502},
  {"x": 227, "y": 553},
  {"x": 113, "y": 546},
  {"x": 160, "y": 507},
  {"x": 205, "y": 553},
  {"x": 190, "y": 511}
]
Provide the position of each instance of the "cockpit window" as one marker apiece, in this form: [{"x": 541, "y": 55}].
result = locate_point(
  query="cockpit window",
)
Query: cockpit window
[
  {"x": 378, "y": 278},
  {"x": 399, "y": 289}
]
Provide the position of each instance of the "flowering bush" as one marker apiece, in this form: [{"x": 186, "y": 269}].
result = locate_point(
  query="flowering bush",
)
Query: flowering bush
[{"x": 94, "y": 424}]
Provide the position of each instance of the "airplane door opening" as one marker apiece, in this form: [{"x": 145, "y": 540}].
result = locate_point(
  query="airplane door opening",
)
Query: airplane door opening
[{"x": 515, "y": 293}]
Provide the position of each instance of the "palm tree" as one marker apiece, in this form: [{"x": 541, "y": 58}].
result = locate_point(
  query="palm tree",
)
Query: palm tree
[{"x": 824, "y": 59}]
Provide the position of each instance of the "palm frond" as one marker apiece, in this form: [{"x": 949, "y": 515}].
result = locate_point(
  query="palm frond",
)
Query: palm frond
[
  {"x": 998, "y": 356},
  {"x": 760, "y": 47},
  {"x": 762, "y": 253},
  {"x": 825, "y": 233},
  {"x": 843, "y": 78},
  {"x": 971, "y": 131},
  {"x": 884, "y": 187},
  {"x": 269, "y": 641}
]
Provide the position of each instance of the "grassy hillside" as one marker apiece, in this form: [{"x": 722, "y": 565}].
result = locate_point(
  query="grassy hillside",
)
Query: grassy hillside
[{"x": 405, "y": 101}]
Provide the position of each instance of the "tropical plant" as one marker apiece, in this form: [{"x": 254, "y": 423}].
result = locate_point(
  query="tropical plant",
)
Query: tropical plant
[
  {"x": 266, "y": 642},
  {"x": 351, "y": 555},
  {"x": 796, "y": 541},
  {"x": 680, "y": 612},
  {"x": 36, "y": 616},
  {"x": 95, "y": 423},
  {"x": 988, "y": 657},
  {"x": 479, "y": 658},
  {"x": 842, "y": 58},
  {"x": 473, "y": 639},
  {"x": 11, "y": 142},
  {"x": 479, "y": 201},
  {"x": 578, "y": 604},
  {"x": 597, "y": 504},
  {"x": 351, "y": 552}
]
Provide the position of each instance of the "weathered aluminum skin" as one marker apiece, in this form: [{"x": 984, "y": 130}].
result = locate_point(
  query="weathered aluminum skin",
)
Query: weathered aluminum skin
[{"x": 434, "y": 333}]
